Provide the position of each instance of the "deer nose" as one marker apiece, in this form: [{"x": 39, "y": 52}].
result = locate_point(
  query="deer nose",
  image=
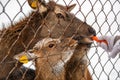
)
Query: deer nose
[{"x": 92, "y": 31}]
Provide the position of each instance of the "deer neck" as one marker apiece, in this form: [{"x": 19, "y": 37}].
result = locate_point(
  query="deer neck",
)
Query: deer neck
[{"x": 48, "y": 71}]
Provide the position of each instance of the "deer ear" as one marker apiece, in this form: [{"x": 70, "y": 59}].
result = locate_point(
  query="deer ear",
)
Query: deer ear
[
  {"x": 33, "y": 3},
  {"x": 25, "y": 57},
  {"x": 69, "y": 8},
  {"x": 72, "y": 42}
]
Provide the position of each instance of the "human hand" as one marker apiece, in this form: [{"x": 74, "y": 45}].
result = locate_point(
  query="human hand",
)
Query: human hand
[
  {"x": 115, "y": 50},
  {"x": 112, "y": 46},
  {"x": 110, "y": 43}
]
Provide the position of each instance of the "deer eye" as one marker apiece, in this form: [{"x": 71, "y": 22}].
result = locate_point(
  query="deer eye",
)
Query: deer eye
[
  {"x": 59, "y": 15},
  {"x": 51, "y": 45}
]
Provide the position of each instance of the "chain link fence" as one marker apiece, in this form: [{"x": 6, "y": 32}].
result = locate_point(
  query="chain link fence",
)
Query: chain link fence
[{"x": 102, "y": 15}]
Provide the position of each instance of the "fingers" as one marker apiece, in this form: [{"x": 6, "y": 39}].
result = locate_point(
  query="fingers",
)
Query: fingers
[
  {"x": 103, "y": 46},
  {"x": 115, "y": 50},
  {"x": 110, "y": 41}
]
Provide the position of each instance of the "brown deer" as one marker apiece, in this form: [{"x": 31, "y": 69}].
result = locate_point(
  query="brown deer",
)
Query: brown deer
[
  {"x": 47, "y": 20},
  {"x": 29, "y": 74},
  {"x": 54, "y": 60}
]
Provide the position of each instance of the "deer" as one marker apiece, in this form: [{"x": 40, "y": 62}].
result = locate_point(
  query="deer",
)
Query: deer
[
  {"x": 47, "y": 20},
  {"x": 22, "y": 73},
  {"x": 54, "y": 57}
]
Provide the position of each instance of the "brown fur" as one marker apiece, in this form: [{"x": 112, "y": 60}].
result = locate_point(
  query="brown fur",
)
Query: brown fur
[
  {"x": 50, "y": 59},
  {"x": 24, "y": 34},
  {"x": 76, "y": 68},
  {"x": 19, "y": 74}
]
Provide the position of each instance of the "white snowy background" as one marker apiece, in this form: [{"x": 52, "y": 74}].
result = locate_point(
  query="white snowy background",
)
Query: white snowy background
[{"x": 102, "y": 15}]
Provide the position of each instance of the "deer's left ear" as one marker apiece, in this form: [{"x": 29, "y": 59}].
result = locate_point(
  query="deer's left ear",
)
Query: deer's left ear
[
  {"x": 38, "y": 4},
  {"x": 33, "y": 3},
  {"x": 71, "y": 7},
  {"x": 25, "y": 57}
]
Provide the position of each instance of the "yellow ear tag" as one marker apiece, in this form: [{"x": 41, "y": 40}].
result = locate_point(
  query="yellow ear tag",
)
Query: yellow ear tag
[
  {"x": 23, "y": 59},
  {"x": 34, "y": 4}
]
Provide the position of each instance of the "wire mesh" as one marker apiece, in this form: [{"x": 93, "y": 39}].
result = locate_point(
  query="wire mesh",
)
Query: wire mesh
[{"x": 102, "y": 15}]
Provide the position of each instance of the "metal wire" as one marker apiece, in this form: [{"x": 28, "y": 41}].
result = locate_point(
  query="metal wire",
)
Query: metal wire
[{"x": 102, "y": 15}]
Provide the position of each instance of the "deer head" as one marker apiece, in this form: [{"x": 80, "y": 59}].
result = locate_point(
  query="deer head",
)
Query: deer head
[
  {"x": 51, "y": 56},
  {"x": 58, "y": 21},
  {"x": 47, "y": 20}
]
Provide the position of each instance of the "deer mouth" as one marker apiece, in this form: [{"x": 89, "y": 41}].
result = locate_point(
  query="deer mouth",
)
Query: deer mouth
[{"x": 84, "y": 39}]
